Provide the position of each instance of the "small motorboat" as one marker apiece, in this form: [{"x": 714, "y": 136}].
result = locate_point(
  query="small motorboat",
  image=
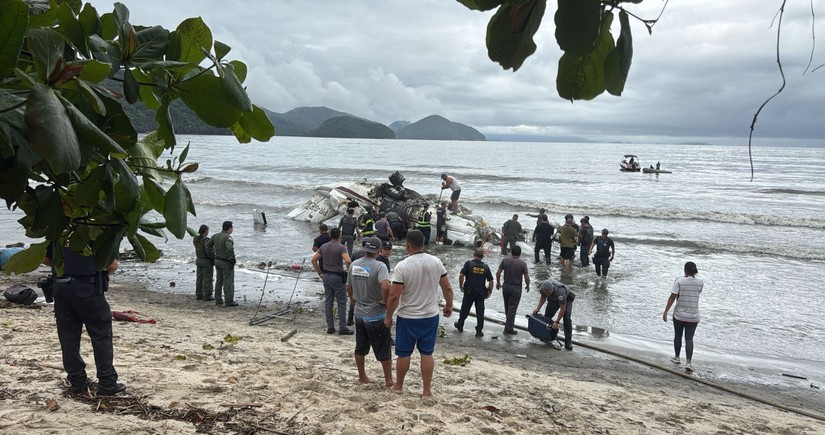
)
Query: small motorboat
[{"x": 630, "y": 163}]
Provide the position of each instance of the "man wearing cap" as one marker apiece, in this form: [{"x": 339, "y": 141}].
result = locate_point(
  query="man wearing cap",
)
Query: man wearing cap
[
  {"x": 448, "y": 182},
  {"x": 384, "y": 254},
  {"x": 348, "y": 224},
  {"x": 368, "y": 287},
  {"x": 510, "y": 231},
  {"x": 476, "y": 283},
  {"x": 605, "y": 250},
  {"x": 585, "y": 240},
  {"x": 567, "y": 239},
  {"x": 514, "y": 269},
  {"x": 559, "y": 298},
  {"x": 543, "y": 236},
  {"x": 334, "y": 275},
  {"x": 415, "y": 284}
]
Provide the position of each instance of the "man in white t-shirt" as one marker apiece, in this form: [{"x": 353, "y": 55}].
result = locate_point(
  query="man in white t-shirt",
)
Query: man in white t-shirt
[{"x": 414, "y": 292}]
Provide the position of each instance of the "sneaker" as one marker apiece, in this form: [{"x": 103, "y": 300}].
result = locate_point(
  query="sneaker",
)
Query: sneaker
[
  {"x": 200, "y": 298},
  {"x": 110, "y": 390},
  {"x": 330, "y": 330},
  {"x": 676, "y": 360},
  {"x": 346, "y": 332},
  {"x": 510, "y": 331},
  {"x": 459, "y": 327},
  {"x": 479, "y": 334},
  {"x": 554, "y": 345},
  {"x": 231, "y": 304},
  {"x": 689, "y": 368},
  {"x": 218, "y": 302}
]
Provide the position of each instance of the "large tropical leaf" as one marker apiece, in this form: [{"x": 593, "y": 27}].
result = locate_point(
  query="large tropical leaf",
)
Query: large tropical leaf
[
  {"x": 46, "y": 47},
  {"x": 617, "y": 64},
  {"x": 71, "y": 29},
  {"x": 215, "y": 102},
  {"x": 150, "y": 44},
  {"x": 26, "y": 260},
  {"x": 577, "y": 26},
  {"x": 188, "y": 40},
  {"x": 14, "y": 18},
  {"x": 583, "y": 77},
  {"x": 253, "y": 125},
  {"x": 174, "y": 210},
  {"x": 481, "y": 5},
  {"x": 510, "y": 32},
  {"x": 50, "y": 130}
]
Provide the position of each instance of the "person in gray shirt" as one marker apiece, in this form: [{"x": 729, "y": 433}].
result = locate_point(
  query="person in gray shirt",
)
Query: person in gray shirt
[
  {"x": 514, "y": 269},
  {"x": 559, "y": 298},
  {"x": 368, "y": 287}
]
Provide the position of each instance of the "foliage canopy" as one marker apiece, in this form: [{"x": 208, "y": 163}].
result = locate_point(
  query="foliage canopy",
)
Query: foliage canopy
[{"x": 70, "y": 158}]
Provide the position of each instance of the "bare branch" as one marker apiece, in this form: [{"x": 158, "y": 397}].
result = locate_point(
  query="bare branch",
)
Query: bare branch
[{"x": 813, "y": 38}]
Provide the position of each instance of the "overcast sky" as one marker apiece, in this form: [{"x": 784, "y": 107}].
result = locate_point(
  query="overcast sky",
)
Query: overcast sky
[{"x": 700, "y": 76}]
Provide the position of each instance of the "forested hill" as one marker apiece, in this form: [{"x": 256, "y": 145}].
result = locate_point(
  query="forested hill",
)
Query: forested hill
[{"x": 312, "y": 121}]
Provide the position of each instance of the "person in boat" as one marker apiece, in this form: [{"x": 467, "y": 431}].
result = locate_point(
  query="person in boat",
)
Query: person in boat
[
  {"x": 657, "y": 166},
  {"x": 448, "y": 182}
]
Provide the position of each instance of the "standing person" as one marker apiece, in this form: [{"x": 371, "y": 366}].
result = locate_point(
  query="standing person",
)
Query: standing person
[
  {"x": 538, "y": 216},
  {"x": 415, "y": 283},
  {"x": 685, "y": 292},
  {"x": 441, "y": 223},
  {"x": 334, "y": 275},
  {"x": 585, "y": 240},
  {"x": 397, "y": 224},
  {"x": 347, "y": 225},
  {"x": 514, "y": 269},
  {"x": 423, "y": 224},
  {"x": 543, "y": 236},
  {"x": 204, "y": 264},
  {"x": 225, "y": 265},
  {"x": 384, "y": 254},
  {"x": 567, "y": 239},
  {"x": 605, "y": 250},
  {"x": 559, "y": 298},
  {"x": 322, "y": 239},
  {"x": 382, "y": 228},
  {"x": 79, "y": 300},
  {"x": 476, "y": 283},
  {"x": 366, "y": 223},
  {"x": 510, "y": 232},
  {"x": 369, "y": 286},
  {"x": 451, "y": 183}
]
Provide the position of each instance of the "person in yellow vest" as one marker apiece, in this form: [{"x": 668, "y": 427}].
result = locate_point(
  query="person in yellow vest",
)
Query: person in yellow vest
[
  {"x": 423, "y": 223},
  {"x": 366, "y": 223}
]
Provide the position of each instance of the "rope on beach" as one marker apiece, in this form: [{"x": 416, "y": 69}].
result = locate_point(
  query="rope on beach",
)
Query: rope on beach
[{"x": 682, "y": 374}]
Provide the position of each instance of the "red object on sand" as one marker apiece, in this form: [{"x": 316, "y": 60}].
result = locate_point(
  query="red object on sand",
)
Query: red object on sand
[{"x": 129, "y": 316}]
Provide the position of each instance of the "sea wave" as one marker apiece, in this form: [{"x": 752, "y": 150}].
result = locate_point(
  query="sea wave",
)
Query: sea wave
[
  {"x": 793, "y": 192},
  {"x": 788, "y": 251}
]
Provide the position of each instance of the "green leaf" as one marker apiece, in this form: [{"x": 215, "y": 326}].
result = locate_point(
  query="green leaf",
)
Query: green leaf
[
  {"x": 239, "y": 68},
  {"x": 188, "y": 39},
  {"x": 150, "y": 44},
  {"x": 88, "y": 132},
  {"x": 149, "y": 98},
  {"x": 14, "y": 19},
  {"x": 481, "y": 5},
  {"x": 45, "y": 19},
  {"x": 94, "y": 71},
  {"x": 183, "y": 154},
  {"x": 26, "y": 260},
  {"x": 131, "y": 88},
  {"x": 212, "y": 100},
  {"x": 89, "y": 20},
  {"x": 116, "y": 124},
  {"x": 154, "y": 194},
  {"x": 127, "y": 190},
  {"x": 617, "y": 65},
  {"x": 75, "y": 5},
  {"x": 106, "y": 246},
  {"x": 239, "y": 96},
  {"x": 50, "y": 130},
  {"x": 254, "y": 124},
  {"x": 174, "y": 209},
  {"x": 583, "y": 77},
  {"x": 166, "y": 130},
  {"x": 577, "y": 26},
  {"x": 120, "y": 20},
  {"x": 510, "y": 32},
  {"x": 49, "y": 216},
  {"x": 145, "y": 153},
  {"x": 91, "y": 97},
  {"x": 87, "y": 193},
  {"x": 221, "y": 50},
  {"x": 71, "y": 29},
  {"x": 107, "y": 182},
  {"x": 150, "y": 252},
  {"x": 108, "y": 27},
  {"x": 46, "y": 47}
]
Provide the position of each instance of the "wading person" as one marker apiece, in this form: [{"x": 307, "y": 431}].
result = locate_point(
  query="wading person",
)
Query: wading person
[
  {"x": 204, "y": 264},
  {"x": 605, "y": 250},
  {"x": 368, "y": 286},
  {"x": 441, "y": 223},
  {"x": 225, "y": 266},
  {"x": 568, "y": 234},
  {"x": 79, "y": 301},
  {"x": 414, "y": 292},
  {"x": 510, "y": 232},
  {"x": 543, "y": 236},
  {"x": 585, "y": 239},
  {"x": 476, "y": 283},
  {"x": 515, "y": 273},
  {"x": 559, "y": 298},
  {"x": 685, "y": 292},
  {"x": 336, "y": 260}
]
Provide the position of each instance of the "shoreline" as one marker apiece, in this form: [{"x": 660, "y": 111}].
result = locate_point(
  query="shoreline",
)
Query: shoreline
[{"x": 308, "y": 384}]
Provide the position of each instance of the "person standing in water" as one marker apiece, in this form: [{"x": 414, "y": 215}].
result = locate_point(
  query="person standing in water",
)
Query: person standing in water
[{"x": 685, "y": 292}]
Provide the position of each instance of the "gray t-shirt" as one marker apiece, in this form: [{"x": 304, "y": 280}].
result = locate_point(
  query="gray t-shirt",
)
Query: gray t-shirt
[
  {"x": 331, "y": 254},
  {"x": 514, "y": 269},
  {"x": 688, "y": 289},
  {"x": 365, "y": 277},
  {"x": 382, "y": 228}
]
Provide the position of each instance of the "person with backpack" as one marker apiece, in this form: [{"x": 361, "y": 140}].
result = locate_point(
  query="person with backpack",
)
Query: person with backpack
[
  {"x": 347, "y": 225},
  {"x": 204, "y": 264}
]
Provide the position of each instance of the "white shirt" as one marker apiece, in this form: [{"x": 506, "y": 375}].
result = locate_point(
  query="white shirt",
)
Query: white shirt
[
  {"x": 687, "y": 305},
  {"x": 420, "y": 274}
]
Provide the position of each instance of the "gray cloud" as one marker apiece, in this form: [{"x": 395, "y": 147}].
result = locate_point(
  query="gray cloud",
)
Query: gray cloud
[{"x": 702, "y": 74}]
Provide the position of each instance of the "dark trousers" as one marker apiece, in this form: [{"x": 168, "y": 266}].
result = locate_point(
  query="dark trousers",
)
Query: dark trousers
[
  {"x": 512, "y": 297},
  {"x": 584, "y": 255},
  {"x": 473, "y": 297},
  {"x": 688, "y": 328},
  {"x": 426, "y": 232},
  {"x": 509, "y": 243},
  {"x": 335, "y": 293},
  {"x": 602, "y": 264},
  {"x": 550, "y": 311},
  {"x": 75, "y": 306},
  {"x": 398, "y": 230},
  {"x": 347, "y": 240},
  {"x": 546, "y": 247}
]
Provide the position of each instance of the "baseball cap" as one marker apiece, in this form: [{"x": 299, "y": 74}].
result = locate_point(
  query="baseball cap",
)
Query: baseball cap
[
  {"x": 443, "y": 176},
  {"x": 386, "y": 244},
  {"x": 372, "y": 245},
  {"x": 568, "y": 216},
  {"x": 547, "y": 286}
]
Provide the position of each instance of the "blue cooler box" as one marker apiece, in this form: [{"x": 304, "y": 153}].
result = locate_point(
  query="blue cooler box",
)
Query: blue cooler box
[{"x": 539, "y": 327}]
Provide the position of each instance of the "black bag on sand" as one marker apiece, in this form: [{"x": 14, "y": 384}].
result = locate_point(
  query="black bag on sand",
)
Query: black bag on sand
[{"x": 20, "y": 294}]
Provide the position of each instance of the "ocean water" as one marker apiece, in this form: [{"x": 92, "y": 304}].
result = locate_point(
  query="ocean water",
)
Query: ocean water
[{"x": 758, "y": 244}]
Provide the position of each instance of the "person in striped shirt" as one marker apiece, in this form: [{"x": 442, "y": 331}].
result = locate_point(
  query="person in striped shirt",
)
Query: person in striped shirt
[{"x": 685, "y": 292}]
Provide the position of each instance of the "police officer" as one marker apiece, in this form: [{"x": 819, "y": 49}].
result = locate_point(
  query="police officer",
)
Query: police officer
[
  {"x": 423, "y": 224},
  {"x": 559, "y": 298},
  {"x": 79, "y": 301},
  {"x": 225, "y": 266},
  {"x": 471, "y": 281},
  {"x": 204, "y": 263},
  {"x": 347, "y": 225}
]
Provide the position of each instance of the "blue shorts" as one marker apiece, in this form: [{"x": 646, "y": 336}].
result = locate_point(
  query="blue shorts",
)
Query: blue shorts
[{"x": 412, "y": 332}]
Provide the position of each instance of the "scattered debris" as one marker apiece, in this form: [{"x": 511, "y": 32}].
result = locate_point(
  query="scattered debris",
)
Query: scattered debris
[
  {"x": 522, "y": 356},
  {"x": 231, "y": 339},
  {"x": 288, "y": 336},
  {"x": 52, "y": 405},
  {"x": 207, "y": 346},
  {"x": 795, "y": 376},
  {"x": 814, "y": 386},
  {"x": 180, "y": 357},
  {"x": 459, "y": 360}
]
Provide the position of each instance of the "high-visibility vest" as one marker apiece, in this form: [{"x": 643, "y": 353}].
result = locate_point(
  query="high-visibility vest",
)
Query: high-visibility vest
[
  {"x": 366, "y": 225},
  {"x": 424, "y": 219}
]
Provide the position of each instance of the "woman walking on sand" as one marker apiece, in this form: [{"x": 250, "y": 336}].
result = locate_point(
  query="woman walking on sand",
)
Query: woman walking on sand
[{"x": 685, "y": 292}]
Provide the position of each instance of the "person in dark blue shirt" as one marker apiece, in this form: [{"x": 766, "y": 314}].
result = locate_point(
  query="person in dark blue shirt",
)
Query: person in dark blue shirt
[{"x": 476, "y": 283}]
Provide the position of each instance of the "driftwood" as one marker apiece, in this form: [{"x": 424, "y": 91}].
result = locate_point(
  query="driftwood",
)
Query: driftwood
[
  {"x": 288, "y": 336},
  {"x": 242, "y": 405}
]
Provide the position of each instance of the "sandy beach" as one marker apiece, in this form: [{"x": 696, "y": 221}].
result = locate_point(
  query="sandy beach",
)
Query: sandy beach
[{"x": 202, "y": 368}]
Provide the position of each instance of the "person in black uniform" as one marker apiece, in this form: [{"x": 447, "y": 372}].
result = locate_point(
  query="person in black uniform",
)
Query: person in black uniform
[
  {"x": 543, "y": 236},
  {"x": 79, "y": 301},
  {"x": 476, "y": 283}
]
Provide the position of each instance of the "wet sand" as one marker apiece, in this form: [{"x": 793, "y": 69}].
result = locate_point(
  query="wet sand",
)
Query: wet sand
[{"x": 183, "y": 371}]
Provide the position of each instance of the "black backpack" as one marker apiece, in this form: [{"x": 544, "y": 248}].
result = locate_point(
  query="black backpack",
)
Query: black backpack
[{"x": 20, "y": 294}]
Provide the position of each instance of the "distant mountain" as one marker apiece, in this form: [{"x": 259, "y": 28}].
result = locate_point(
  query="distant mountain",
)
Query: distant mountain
[
  {"x": 439, "y": 128},
  {"x": 350, "y": 127},
  {"x": 302, "y": 120},
  {"x": 398, "y": 125}
]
